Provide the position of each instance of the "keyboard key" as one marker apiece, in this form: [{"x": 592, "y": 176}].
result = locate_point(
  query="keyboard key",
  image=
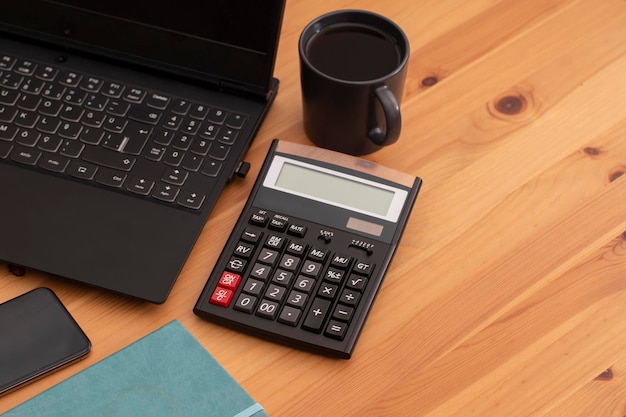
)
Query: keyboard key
[
  {"x": 70, "y": 78},
  {"x": 73, "y": 96},
  {"x": 91, "y": 84},
  {"x": 236, "y": 121},
  {"x": 25, "y": 67},
  {"x": 191, "y": 200},
  {"x": 7, "y": 132},
  {"x": 112, "y": 89},
  {"x": 134, "y": 95},
  {"x": 54, "y": 163},
  {"x": 26, "y": 119},
  {"x": 71, "y": 148},
  {"x": 7, "y": 62},
  {"x": 82, "y": 170},
  {"x": 211, "y": 168},
  {"x": 175, "y": 176},
  {"x": 110, "y": 178},
  {"x": 46, "y": 73},
  {"x": 140, "y": 185},
  {"x": 166, "y": 192},
  {"x": 50, "y": 143},
  {"x": 157, "y": 101},
  {"x": 144, "y": 114},
  {"x": 8, "y": 96},
  {"x": 26, "y": 156},
  {"x": 28, "y": 137},
  {"x": 117, "y": 108},
  {"x": 108, "y": 158},
  {"x": 7, "y": 113},
  {"x": 48, "y": 124}
]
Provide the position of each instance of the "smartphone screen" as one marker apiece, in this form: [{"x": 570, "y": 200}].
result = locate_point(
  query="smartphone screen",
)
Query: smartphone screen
[{"x": 37, "y": 335}]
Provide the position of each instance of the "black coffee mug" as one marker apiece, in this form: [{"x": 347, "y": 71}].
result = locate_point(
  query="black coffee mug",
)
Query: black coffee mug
[{"x": 353, "y": 67}]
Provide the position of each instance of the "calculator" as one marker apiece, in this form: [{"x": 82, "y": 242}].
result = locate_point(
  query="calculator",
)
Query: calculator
[{"x": 309, "y": 252}]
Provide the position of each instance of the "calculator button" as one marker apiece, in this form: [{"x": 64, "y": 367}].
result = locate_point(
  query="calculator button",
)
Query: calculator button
[
  {"x": 289, "y": 316},
  {"x": 311, "y": 268},
  {"x": 289, "y": 262},
  {"x": 304, "y": 284},
  {"x": 282, "y": 277},
  {"x": 318, "y": 254},
  {"x": 250, "y": 236},
  {"x": 340, "y": 261},
  {"x": 316, "y": 315},
  {"x": 260, "y": 271},
  {"x": 275, "y": 241},
  {"x": 236, "y": 265},
  {"x": 363, "y": 268},
  {"x": 297, "y": 299},
  {"x": 296, "y": 248},
  {"x": 334, "y": 275},
  {"x": 244, "y": 249},
  {"x": 327, "y": 290},
  {"x": 253, "y": 286},
  {"x": 296, "y": 230},
  {"x": 221, "y": 297},
  {"x": 267, "y": 309},
  {"x": 258, "y": 219},
  {"x": 343, "y": 313},
  {"x": 356, "y": 282},
  {"x": 350, "y": 297},
  {"x": 279, "y": 225},
  {"x": 336, "y": 330},
  {"x": 245, "y": 303},
  {"x": 229, "y": 280},
  {"x": 275, "y": 293},
  {"x": 267, "y": 256}
]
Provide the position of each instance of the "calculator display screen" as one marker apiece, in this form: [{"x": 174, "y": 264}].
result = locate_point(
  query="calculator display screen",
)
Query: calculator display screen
[{"x": 335, "y": 188}]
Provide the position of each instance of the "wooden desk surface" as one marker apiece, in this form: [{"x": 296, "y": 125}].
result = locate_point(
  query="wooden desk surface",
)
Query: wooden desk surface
[{"x": 507, "y": 295}]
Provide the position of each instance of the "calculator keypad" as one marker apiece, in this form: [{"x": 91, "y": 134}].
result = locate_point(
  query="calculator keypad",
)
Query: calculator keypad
[{"x": 279, "y": 272}]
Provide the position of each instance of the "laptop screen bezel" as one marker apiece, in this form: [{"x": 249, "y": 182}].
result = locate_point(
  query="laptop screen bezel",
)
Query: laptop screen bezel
[{"x": 183, "y": 54}]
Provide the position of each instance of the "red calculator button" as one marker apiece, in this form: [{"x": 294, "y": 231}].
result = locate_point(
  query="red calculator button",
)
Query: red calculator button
[
  {"x": 221, "y": 296},
  {"x": 229, "y": 280}
]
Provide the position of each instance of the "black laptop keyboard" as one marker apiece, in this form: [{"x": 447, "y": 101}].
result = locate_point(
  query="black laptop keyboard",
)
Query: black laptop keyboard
[{"x": 112, "y": 135}]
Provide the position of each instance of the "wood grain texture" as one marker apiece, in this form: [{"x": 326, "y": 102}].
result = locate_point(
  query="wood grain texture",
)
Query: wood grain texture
[{"x": 507, "y": 295}]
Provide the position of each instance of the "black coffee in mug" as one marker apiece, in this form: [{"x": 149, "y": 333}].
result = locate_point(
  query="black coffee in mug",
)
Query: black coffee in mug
[
  {"x": 353, "y": 52},
  {"x": 352, "y": 71}
]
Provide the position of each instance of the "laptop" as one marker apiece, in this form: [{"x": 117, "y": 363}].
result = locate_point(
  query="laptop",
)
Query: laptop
[{"x": 121, "y": 122}]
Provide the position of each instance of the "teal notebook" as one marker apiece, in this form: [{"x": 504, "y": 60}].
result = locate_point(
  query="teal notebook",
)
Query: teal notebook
[{"x": 166, "y": 373}]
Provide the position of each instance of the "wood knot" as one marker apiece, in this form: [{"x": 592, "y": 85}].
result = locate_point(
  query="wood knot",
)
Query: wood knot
[
  {"x": 616, "y": 172},
  {"x": 511, "y": 105},
  {"x": 591, "y": 151},
  {"x": 430, "y": 81},
  {"x": 516, "y": 105}
]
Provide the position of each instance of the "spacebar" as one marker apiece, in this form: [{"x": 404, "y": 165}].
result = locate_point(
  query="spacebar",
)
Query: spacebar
[{"x": 110, "y": 159}]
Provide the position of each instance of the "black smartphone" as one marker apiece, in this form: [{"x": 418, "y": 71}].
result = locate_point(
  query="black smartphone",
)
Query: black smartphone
[{"x": 37, "y": 335}]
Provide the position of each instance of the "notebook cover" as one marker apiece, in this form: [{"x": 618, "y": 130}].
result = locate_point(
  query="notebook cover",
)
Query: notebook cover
[{"x": 166, "y": 373}]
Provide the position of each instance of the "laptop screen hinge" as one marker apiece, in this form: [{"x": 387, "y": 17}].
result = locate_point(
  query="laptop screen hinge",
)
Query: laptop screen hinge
[
  {"x": 241, "y": 90},
  {"x": 234, "y": 88}
]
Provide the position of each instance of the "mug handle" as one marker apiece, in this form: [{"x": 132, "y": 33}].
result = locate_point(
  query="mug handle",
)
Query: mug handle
[{"x": 391, "y": 109}]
